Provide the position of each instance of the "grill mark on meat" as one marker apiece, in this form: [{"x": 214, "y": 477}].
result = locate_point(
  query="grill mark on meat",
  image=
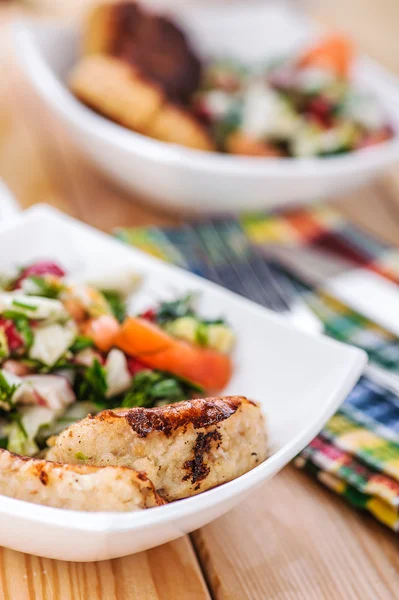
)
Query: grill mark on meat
[
  {"x": 197, "y": 469},
  {"x": 43, "y": 477},
  {"x": 199, "y": 412}
]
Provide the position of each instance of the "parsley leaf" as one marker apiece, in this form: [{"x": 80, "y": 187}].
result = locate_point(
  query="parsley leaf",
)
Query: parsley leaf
[
  {"x": 81, "y": 456},
  {"x": 152, "y": 388},
  {"x": 23, "y": 305},
  {"x": 94, "y": 385},
  {"x": 22, "y": 324},
  {"x": 116, "y": 303},
  {"x": 7, "y": 391},
  {"x": 183, "y": 307},
  {"x": 170, "y": 311},
  {"x": 17, "y": 418},
  {"x": 46, "y": 287},
  {"x": 81, "y": 343},
  {"x": 201, "y": 334}
]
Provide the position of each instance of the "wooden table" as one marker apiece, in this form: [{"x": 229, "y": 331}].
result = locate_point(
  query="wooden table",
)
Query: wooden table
[{"x": 293, "y": 539}]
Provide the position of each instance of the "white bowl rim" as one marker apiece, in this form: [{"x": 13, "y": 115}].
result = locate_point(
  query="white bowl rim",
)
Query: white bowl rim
[{"x": 63, "y": 101}]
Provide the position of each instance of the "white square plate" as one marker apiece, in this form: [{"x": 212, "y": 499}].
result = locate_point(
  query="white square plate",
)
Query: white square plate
[{"x": 299, "y": 379}]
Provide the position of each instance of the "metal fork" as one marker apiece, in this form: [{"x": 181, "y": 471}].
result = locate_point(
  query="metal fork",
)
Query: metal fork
[{"x": 241, "y": 268}]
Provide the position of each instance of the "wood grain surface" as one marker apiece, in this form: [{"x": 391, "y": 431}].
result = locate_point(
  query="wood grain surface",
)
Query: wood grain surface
[
  {"x": 169, "y": 571},
  {"x": 292, "y": 539}
]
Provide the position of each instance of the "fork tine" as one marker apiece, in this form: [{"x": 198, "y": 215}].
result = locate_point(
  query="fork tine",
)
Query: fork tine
[
  {"x": 226, "y": 268},
  {"x": 238, "y": 266},
  {"x": 269, "y": 281}
]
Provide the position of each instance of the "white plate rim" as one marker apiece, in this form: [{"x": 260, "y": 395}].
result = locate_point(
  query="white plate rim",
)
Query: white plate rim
[{"x": 107, "y": 521}]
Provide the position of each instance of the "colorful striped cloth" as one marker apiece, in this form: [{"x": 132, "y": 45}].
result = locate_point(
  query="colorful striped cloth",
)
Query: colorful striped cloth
[{"x": 357, "y": 454}]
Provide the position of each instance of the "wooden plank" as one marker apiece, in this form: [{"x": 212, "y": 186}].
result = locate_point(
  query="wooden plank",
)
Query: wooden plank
[
  {"x": 28, "y": 163},
  {"x": 169, "y": 572},
  {"x": 40, "y": 164},
  {"x": 372, "y": 24},
  {"x": 293, "y": 540},
  {"x": 54, "y": 171},
  {"x": 375, "y": 209}
]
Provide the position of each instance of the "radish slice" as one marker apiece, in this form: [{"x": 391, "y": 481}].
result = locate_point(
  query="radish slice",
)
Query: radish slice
[
  {"x": 117, "y": 373},
  {"x": 52, "y": 391}
]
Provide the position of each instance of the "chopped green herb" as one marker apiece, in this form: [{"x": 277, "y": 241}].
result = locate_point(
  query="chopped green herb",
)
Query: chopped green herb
[
  {"x": 219, "y": 321},
  {"x": 116, "y": 303},
  {"x": 21, "y": 322},
  {"x": 140, "y": 392},
  {"x": 80, "y": 456},
  {"x": 168, "y": 389},
  {"x": 20, "y": 304},
  {"x": 151, "y": 388},
  {"x": 201, "y": 334},
  {"x": 81, "y": 343},
  {"x": 7, "y": 391},
  {"x": 17, "y": 418},
  {"x": 190, "y": 386},
  {"x": 3, "y": 442},
  {"x": 228, "y": 125},
  {"x": 94, "y": 385},
  {"x": 46, "y": 287},
  {"x": 170, "y": 311},
  {"x": 61, "y": 364}
]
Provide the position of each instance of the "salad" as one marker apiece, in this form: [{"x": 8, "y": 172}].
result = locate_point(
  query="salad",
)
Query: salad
[
  {"x": 68, "y": 349},
  {"x": 300, "y": 106}
]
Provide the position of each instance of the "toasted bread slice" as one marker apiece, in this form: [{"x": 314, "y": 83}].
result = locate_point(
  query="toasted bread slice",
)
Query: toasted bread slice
[
  {"x": 184, "y": 448},
  {"x": 77, "y": 487}
]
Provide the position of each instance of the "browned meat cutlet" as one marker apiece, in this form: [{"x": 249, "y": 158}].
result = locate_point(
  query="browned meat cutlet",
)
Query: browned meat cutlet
[
  {"x": 184, "y": 448},
  {"x": 114, "y": 89},
  {"x": 77, "y": 487},
  {"x": 153, "y": 44},
  {"x": 139, "y": 70}
]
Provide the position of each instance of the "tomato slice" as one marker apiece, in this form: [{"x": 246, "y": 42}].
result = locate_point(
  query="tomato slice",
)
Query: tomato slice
[
  {"x": 146, "y": 341},
  {"x": 334, "y": 53},
  {"x": 102, "y": 330}
]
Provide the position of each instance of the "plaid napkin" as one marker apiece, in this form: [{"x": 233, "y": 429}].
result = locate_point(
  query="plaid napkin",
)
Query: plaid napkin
[{"x": 357, "y": 454}]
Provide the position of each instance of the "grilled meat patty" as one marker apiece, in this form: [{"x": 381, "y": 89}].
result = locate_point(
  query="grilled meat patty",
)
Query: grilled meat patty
[
  {"x": 77, "y": 487},
  {"x": 184, "y": 448},
  {"x": 139, "y": 70},
  {"x": 151, "y": 43},
  {"x": 118, "y": 91}
]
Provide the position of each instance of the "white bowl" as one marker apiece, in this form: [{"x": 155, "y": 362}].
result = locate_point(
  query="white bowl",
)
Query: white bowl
[
  {"x": 300, "y": 380},
  {"x": 177, "y": 177}
]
